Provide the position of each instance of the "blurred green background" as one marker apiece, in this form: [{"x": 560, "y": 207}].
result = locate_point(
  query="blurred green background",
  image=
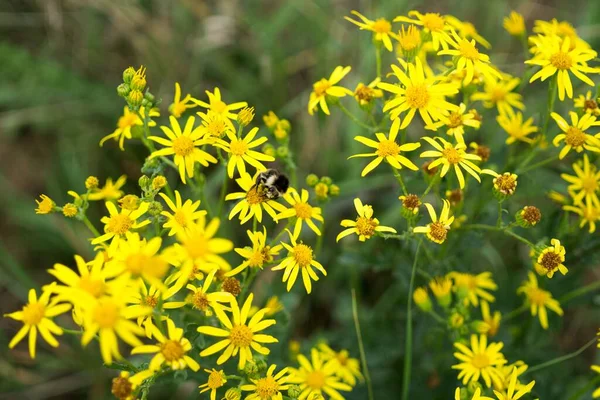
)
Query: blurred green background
[{"x": 60, "y": 63}]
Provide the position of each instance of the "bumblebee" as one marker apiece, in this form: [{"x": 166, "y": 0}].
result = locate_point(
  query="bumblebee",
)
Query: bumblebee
[{"x": 272, "y": 183}]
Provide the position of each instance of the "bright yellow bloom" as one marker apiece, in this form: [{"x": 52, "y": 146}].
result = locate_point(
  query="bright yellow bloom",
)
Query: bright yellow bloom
[
  {"x": 479, "y": 360},
  {"x": 575, "y": 136},
  {"x": 117, "y": 224},
  {"x": 327, "y": 87},
  {"x": 256, "y": 256},
  {"x": 149, "y": 297},
  {"x": 476, "y": 395},
  {"x": 491, "y": 323},
  {"x": 467, "y": 30},
  {"x": 505, "y": 183},
  {"x": 253, "y": 200},
  {"x": 317, "y": 376},
  {"x": 432, "y": 23},
  {"x": 216, "y": 379},
  {"x": 452, "y": 156},
  {"x": 456, "y": 122},
  {"x": 45, "y": 206},
  {"x": 560, "y": 29},
  {"x": 303, "y": 211},
  {"x": 506, "y": 371},
  {"x": 409, "y": 42},
  {"x": 441, "y": 287},
  {"x": 514, "y": 24},
  {"x": 214, "y": 126},
  {"x": 584, "y": 184},
  {"x": 516, "y": 129},
  {"x": 381, "y": 28},
  {"x": 299, "y": 258},
  {"x": 418, "y": 93},
  {"x": 240, "y": 335},
  {"x": 387, "y": 149},
  {"x": 178, "y": 107},
  {"x": 596, "y": 394},
  {"x": 171, "y": 350},
  {"x": 203, "y": 300},
  {"x": 365, "y": 226},
  {"x": 421, "y": 299},
  {"x": 473, "y": 287},
  {"x": 346, "y": 368},
  {"x": 110, "y": 190},
  {"x": 556, "y": 58},
  {"x": 129, "y": 120},
  {"x": 364, "y": 94},
  {"x": 216, "y": 105},
  {"x": 588, "y": 215},
  {"x": 538, "y": 299},
  {"x": 551, "y": 260},
  {"x": 240, "y": 151},
  {"x": 512, "y": 393},
  {"x": 438, "y": 229},
  {"x": 184, "y": 146},
  {"x": 269, "y": 387},
  {"x": 499, "y": 93},
  {"x": 587, "y": 104},
  {"x": 36, "y": 316},
  {"x": 183, "y": 215}
]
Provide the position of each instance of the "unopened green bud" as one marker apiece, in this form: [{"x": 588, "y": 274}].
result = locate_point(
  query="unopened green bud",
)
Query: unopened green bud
[
  {"x": 269, "y": 150},
  {"x": 422, "y": 300},
  {"x": 321, "y": 190},
  {"x": 326, "y": 180},
  {"x": 128, "y": 74},
  {"x": 251, "y": 369},
  {"x": 155, "y": 208},
  {"x": 233, "y": 394},
  {"x": 283, "y": 151},
  {"x": 144, "y": 181},
  {"x": 334, "y": 190},
  {"x": 123, "y": 89},
  {"x": 149, "y": 97},
  {"x": 135, "y": 98},
  {"x": 130, "y": 202},
  {"x": 312, "y": 180},
  {"x": 294, "y": 391}
]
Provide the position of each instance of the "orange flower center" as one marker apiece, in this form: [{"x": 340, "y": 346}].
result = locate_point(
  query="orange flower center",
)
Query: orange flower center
[
  {"x": 33, "y": 313},
  {"x": 106, "y": 315},
  {"x": 550, "y": 260},
  {"x": 253, "y": 196},
  {"x": 589, "y": 184},
  {"x": 150, "y": 301},
  {"x": 127, "y": 121},
  {"x": 180, "y": 218},
  {"x": 241, "y": 336},
  {"x": 437, "y": 232},
  {"x": 506, "y": 183},
  {"x": 561, "y": 60},
  {"x": 95, "y": 287},
  {"x": 177, "y": 109},
  {"x": 417, "y": 96},
  {"x": 200, "y": 300},
  {"x": 172, "y": 350},
  {"x": 575, "y": 137},
  {"x": 387, "y": 148},
  {"x": 215, "y": 380},
  {"x": 454, "y": 120},
  {"x": 538, "y": 296},
  {"x": 258, "y": 258},
  {"x": 183, "y": 146}
]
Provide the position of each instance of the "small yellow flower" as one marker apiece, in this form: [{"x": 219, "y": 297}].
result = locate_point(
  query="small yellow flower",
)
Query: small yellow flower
[
  {"x": 270, "y": 120},
  {"x": 499, "y": 93},
  {"x": 365, "y": 94},
  {"x": 36, "y": 316},
  {"x": 365, "y": 226},
  {"x": 513, "y": 393},
  {"x": 467, "y": 30},
  {"x": 129, "y": 120},
  {"x": 214, "y": 126},
  {"x": 240, "y": 152},
  {"x": 476, "y": 395},
  {"x": 505, "y": 183},
  {"x": 252, "y": 202},
  {"x": 245, "y": 116},
  {"x": 218, "y": 106},
  {"x": 491, "y": 323},
  {"x": 456, "y": 122},
  {"x": 256, "y": 256},
  {"x": 588, "y": 104},
  {"x": 179, "y": 105},
  {"x": 479, "y": 360},
  {"x": 516, "y": 129},
  {"x": 327, "y": 87},
  {"x": 514, "y": 24},
  {"x": 387, "y": 149},
  {"x": 381, "y": 28},
  {"x": 159, "y": 182},
  {"x": 45, "y": 206},
  {"x": 421, "y": 299},
  {"x": 432, "y": 23},
  {"x": 347, "y": 368},
  {"x": 409, "y": 41},
  {"x": 216, "y": 380},
  {"x": 117, "y": 224},
  {"x": 575, "y": 136},
  {"x": 538, "y": 299},
  {"x": 588, "y": 215},
  {"x": 473, "y": 287},
  {"x": 91, "y": 182},
  {"x": 585, "y": 184},
  {"x": 551, "y": 260},
  {"x": 268, "y": 387},
  {"x": 300, "y": 258},
  {"x": 110, "y": 190},
  {"x": 123, "y": 386},
  {"x": 452, "y": 156},
  {"x": 303, "y": 211},
  {"x": 437, "y": 230},
  {"x": 441, "y": 288},
  {"x": 70, "y": 210},
  {"x": 183, "y": 214}
]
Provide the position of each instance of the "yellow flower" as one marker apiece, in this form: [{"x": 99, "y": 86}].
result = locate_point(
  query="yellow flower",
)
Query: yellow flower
[
  {"x": 149, "y": 297},
  {"x": 506, "y": 371},
  {"x": 552, "y": 28},
  {"x": 240, "y": 151},
  {"x": 269, "y": 387},
  {"x": 245, "y": 116},
  {"x": 216, "y": 105},
  {"x": 596, "y": 394},
  {"x": 470, "y": 59},
  {"x": 303, "y": 211},
  {"x": 514, "y": 24},
  {"x": 129, "y": 120},
  {"x": 216, "y": 379},
  {"x": 183, "y": 215},
  {"x": 123, "y": 386},
  {"x": 512, "y": 393},
  {"x": 473, "y": 287},
  {"x": 409, "y": 42},
  {"x": 479, "y": 360},
  {"x": 178, "y": 107},
  {"x": 418, "y": 94},
  {"x": 438, "y": 229},
  {"x": 214, "y": 126},
  {"x": 587, "y": 104},
  {"x": 346, "y": 368},
  {"x": 584, "y": 184},
  {"x": 452, "y": 156},
  {"x": 441, "y": 287},
  {"x": 252, "y": 201},
  {"x": 575, "y": 136},
  {"x": 556, "y": 58},
  {"x": 300, "y": 258},
  {"x": 491, "y": 324},
  {"x": 381, "y": 28},
  {"x": 45, "y": 206},
  {"x": 516, "y": 129},
  {"x": 551, "y": 260},
  {"x": 587, "y": 213},
  {"x": 387, "y": 149},
  {"x": 456, "y": 122},
  {"x": 257, "y": 255},
  {"x": 467, "y": 30},
  {"x": 240, "y": 335},
  {"x": 432, "y": 23},
  {"x": 108, "y": 317},
  {"x": 36, "y": 316},
  {"x": 499, "y": 93},
  {"x": 317, "y": 376},
  {"x": 505, "y": 183},
  {"x": 184, "y": 146},
  {"x": 110, "y": 190},
  {"x": 476, "y": 395},
  {"x": 364, "y": 94},
  {"x": 171, "y": 350},
  {"x": 70, "y": 210},
  {"x": 538, "y": 299},
  {"x": 326, "y": 87},
  {"x": 421, "y": 299},
  {"x": 116, "y": 225},
  {"x": 365, "y": 226}
]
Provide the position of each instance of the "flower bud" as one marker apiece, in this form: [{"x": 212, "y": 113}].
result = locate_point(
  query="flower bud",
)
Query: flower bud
[
  {"x": 270, "y": 120},
  {"x": 130, "y": 202},
  {"x": 123, "y": 89},
  {"x": 529, "y": 216},
  {"x": 144, "y": 181},
  {"x": 91, "y": 182},
  {"x": 294, "y": 391},
  {"x": 283, "y": 151},
  {"x": 285, "y": 125},
  {"x": 334, "y": 190},
  {"x": 149, "y": 97},
  {"x": 312, "y": 180},
  {"x": 456, "y": 320},
  {"x": 159, "y": 182},
  {"x": 326, "y": 180},
  {"x": 69, "y": 210},
  {"x": 122, "y": 387},
  {"x": 231, "y": 285},
  {"x": 422, "y": 300},
  {"x": 233, "y": 394},
  {"x": 251, "y": 369},
  {"x": 505, "y": 185},
  {"x": 410, "y": 205},
  {"x": 138, "y": 82},
  {"x": 245, "y": 116},
  {"x": 280, "y": 134},
  {"x": 321, "y": 191},
  {"x": 135, "y": 98},
  {"x": 269, "y": 150},
  {"x": 155, "y": 208},
  {"x": 128, "y": 74},
  {"x": 45, "y": 206}
]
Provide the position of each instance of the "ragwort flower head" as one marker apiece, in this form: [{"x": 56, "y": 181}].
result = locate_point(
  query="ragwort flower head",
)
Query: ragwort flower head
[
  {"x": 433, "y": 24},
  {"x": 539, "y": 299},
  {"x": 452, "y": 156},
  {"x": 551, "y": 260},
  {"x": 575, "y": 135},
  {"x": 252, "y": 201},
  {"x": 217, "y": 105},
  {"x": 240, "y": 152},
  {"x": 365, "y": 226},
  {"x": 381, "y": 28},
  {"x": 327, "y": 88},
  {"x": 437, "y": 230},
  {"x": 479, "y": 361}
]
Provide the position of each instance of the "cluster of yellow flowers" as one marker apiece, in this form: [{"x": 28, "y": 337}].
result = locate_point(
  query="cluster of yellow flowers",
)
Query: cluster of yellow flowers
[{"x": 160, "y": 254}]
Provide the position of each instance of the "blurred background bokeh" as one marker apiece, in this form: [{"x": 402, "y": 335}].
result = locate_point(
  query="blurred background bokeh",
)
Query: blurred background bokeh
[{"x": 60, "y": 63}]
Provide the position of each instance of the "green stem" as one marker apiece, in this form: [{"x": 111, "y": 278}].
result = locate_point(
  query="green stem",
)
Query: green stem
[
  {"x": 437, "y": 317},
  {"x": 378, "y": 59},
  {"x": 592, "y": 384},
  {"x": 401, "y": 181},
  {"x": 499, "y": 220},
  {"x": 538, "y": 164},
  {"x": 504, "y": 230},
  {"x": 431, "y": 183},
  {"x": 223, "y": 191},
  {"x": 409, "y": 338},
  {"x": 560, "y": 359},
  {"x": 515, "y": 312},
  {"x": 353, "y": 118},
  {"x": 361, "y": 347},
  {"x": 90, "y": 226},
  {"x": 281, "y": 232},
  {"x": 580, "y": 292},
  {"x": 550, "y": 104}
]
